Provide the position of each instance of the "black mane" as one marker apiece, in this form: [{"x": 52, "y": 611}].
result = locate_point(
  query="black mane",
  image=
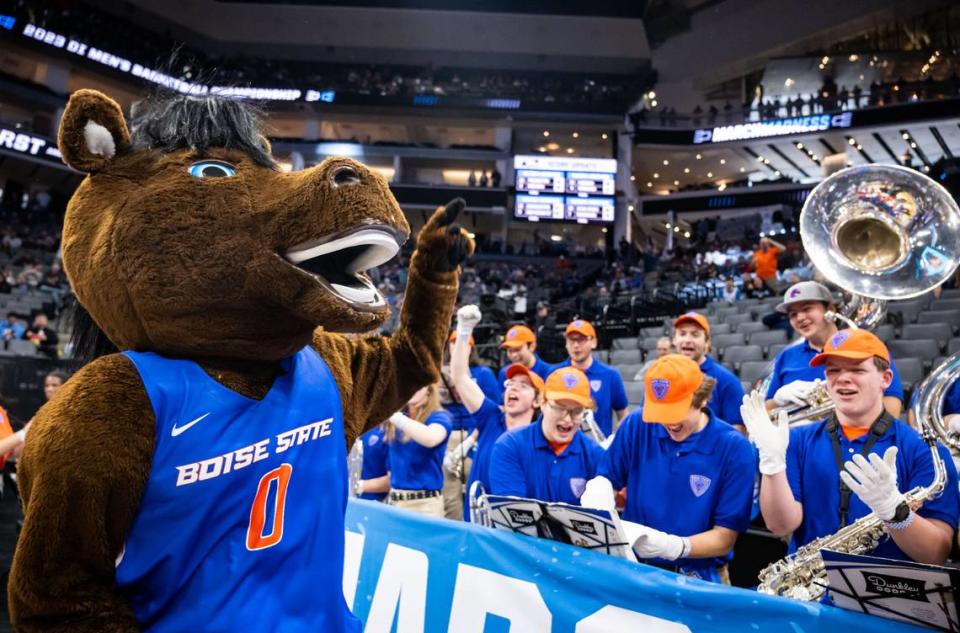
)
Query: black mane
[{"x": 173, "y": 121}]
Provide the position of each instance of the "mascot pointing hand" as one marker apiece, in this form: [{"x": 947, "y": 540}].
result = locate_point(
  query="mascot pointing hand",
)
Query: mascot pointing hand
[{"x": 192, "y": 476}]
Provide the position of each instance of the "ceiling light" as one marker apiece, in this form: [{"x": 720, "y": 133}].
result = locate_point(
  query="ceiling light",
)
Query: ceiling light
[
  {"x": 854, "y": 57},
  {"x": 760, "y": 158},
  {"x": 633, "y": 178},
  {"x": 656, "y": 175},
  {"x": 676, "y": 229},
  {"x": 553, "y": 146},
  {"x": 699, "y": 156},
  {"x": 676, "y": 183},
  {"x": 686, "y": 170},
  {"x": 604, "y": 136},
  {"x": 667, "y": 225},
  {"x": 546, "y": 132},
  {"x": 556, "y": 238},
  {"x": 799, "y": 145},
  {"x": 777, "y": 172},
  {"x": 825, "y": 60},
  {"x": 852, "y": 141},
  {"x": 576, "y": 135},
  {"x": 722, "y": 186},
  {"x": 649, "y": 184},
  {"x": 666, "y": 162},
  {"x": 603, "y": 230},
  {"x": 859, "y": 147},
  {"x": 653, "y": 103},
  {"x": 788, "y": 82},
  {"x": 651, "y": 95},
  {"x": 913, "y": 145},
  {"x": 630, "y": 207},
  {"x": 686, "y": 234},
  {"x": 709, "y": 174},
  {"x": 905, "y": 136},
  {"x": 743, "y": 169},
  {"x": 723, "y": 161},
  {"x": 569, "y": 150},
  {"x": 542, "y": 148}
]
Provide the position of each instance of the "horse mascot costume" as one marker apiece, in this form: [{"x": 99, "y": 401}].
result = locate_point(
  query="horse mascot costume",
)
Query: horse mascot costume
[{"x": 192, "y": 476}]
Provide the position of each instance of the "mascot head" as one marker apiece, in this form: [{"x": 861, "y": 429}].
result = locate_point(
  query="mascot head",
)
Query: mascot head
[{"x": 185, "y": 239}]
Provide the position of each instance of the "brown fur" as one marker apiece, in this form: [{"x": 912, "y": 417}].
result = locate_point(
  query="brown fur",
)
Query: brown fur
[{"x": 190, "y": 268}]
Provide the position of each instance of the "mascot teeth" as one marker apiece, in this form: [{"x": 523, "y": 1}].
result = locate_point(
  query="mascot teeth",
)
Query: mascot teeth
[{"x": 340, "y": 263}]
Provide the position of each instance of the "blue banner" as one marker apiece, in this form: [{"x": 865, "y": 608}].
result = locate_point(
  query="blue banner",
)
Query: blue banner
[{"x": 412, "y": 574}]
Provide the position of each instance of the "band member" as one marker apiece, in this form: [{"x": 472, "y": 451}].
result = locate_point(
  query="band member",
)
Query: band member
[
  {"x": 873, "y": 455},
  {"x": 689, "y": 474},
  {"x": 522, "y": 396},
  {"x": 417, "y": 442},
  {"x": 691, "y": 337},
  {"x": 794, "y": 377},
  {"x": 552, "y": 460},
  {"x": 606, "y": 385},
  {"x": 454, "y": 479},
  {"x": 375, "y": 474},
  {"x": 520, "y": 344}
]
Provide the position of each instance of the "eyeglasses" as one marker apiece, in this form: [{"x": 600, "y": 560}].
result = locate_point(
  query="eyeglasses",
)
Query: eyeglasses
[{"x": 574, "y": 415}]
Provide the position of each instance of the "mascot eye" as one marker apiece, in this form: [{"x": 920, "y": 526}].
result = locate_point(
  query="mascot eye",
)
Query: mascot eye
[
  {"x": 345, "y": 176},
  {"x": 212, "y": 169}
]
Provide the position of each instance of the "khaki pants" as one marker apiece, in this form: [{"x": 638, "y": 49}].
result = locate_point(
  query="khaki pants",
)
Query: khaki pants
[
  {"x": 431, "y": 507},
  {"x": 453, "y": 488}
]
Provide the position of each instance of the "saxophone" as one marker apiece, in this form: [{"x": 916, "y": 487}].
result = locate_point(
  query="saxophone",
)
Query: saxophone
[{"x": 802, "y": 576}]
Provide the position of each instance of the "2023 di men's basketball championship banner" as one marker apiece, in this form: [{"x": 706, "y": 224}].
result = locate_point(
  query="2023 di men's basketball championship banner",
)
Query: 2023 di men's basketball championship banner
[{"x": 411, "y": 574}]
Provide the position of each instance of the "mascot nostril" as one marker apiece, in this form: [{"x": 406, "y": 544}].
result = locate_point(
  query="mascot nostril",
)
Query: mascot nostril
[
  {"x": 225, "y": 394},
  {"x": 346, "y": 176}
]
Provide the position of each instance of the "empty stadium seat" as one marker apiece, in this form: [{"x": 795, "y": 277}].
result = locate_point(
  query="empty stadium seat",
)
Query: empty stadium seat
[
  {"x": 885, "y": 332},
  {"x": 942, "y": 332},
  {"x": 768, "y": 338},
  {"x": 945, "y": 304},
  {"x": 720, "y": 328},
  {"x": 22, "y": 348},
  {"x": 926, "y": 349},
  {"x": 773, "y": 350},
  {"x": 624, "y": 356},
  {"x": 908, "y": 310},
  {"x": 628, "y": 371},
  {"x": 737, "y": 354},
  {"x": 652, "y": 332},
  {"x": 649, "y": 344},
  {"x": 634, "y": 392},
  {"x": 753, "y": 370},
  {"x": 951, "y": 317},
  {"x": 736, "y": 319},
  {"x": 751, "y": 327},
  {"x": 910, "y": 370},
  {"x": 721, "y": 341},
  {"x": 629, "y": 342},
  {"x": 953, "y": 346}
]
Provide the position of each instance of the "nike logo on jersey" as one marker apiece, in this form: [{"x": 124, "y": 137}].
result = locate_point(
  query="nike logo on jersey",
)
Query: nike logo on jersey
[{"x": 177, "y": 430}]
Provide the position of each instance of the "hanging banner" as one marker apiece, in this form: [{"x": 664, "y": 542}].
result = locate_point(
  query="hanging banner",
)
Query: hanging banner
[{"x": 413, "y": 574}]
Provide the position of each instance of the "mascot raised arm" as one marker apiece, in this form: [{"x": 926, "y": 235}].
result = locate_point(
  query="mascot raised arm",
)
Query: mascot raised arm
[{"x": 194, "y": 479}]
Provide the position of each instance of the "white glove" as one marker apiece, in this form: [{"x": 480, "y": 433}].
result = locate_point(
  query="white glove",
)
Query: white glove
[
  {"x": 875, "y": 482},
  {"x": 771, "y": 439},
  {"x": 651, "y": 543},
  {"x": 598, "y": 494},
  {"x": 467, "y": 318},
  {"x": 796, "y": 392},
  {"x": 399, "y": 420}
]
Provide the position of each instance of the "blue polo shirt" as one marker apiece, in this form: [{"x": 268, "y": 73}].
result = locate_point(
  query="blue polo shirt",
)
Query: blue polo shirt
[
  {"x": 375, "y": 459},
  {"x": 727, "y": 396},
  {"x": 523, "y": 464},
  {"x": 416, "y": 467},
  {"x": 491, "y": 423},
  {"x": 683, "y": 488},
  {"x": 812, "y": 474},
  {"x": 607, "y": 390},
  {"x": 540, "y": 368},
  {"x": 487, "y": 382},
  {"x": 793, "y": 363}
]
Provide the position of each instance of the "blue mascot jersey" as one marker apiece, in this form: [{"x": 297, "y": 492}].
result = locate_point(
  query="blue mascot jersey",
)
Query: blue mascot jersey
[{"x": 241, "y": 524}]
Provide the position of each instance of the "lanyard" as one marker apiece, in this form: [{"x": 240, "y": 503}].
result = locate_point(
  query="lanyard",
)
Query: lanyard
[{"x": 877, "y": 430}]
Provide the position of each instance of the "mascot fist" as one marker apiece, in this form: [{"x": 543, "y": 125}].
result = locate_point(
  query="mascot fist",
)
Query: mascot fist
[{"x": 442, "y": 241}]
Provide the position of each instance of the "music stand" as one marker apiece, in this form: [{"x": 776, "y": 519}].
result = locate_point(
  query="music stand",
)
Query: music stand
[{"x": 897, "y": 590}]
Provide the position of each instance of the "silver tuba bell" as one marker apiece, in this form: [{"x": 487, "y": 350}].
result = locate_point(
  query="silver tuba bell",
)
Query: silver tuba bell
[{"x": 882, "y": 233}]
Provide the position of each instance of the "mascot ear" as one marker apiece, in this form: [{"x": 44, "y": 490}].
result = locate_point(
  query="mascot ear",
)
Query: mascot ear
[{"x": 92, "y": 131}]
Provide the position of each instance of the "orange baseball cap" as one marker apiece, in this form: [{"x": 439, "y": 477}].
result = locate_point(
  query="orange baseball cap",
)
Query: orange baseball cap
[
  {"x": 520, "y": 368},
  {"x": 580, "y": 327},
  {"x": 518, "y": 335},
  {"x": 453, "y": 338},
  {"x": 670, "y": 382},
  {"x": 855, "y": 343},
  {"x": 569, "y": 383},
  {"x": 695, "y": 318}
]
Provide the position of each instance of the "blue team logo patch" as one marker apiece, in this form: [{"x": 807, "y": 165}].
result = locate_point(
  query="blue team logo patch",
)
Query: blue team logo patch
[
  {"x": 512, "y": 334},
  {"x": 595, "y": 385},
  {"x": 660, "y": 387},
  {"x": 699, "y": 484},
  {"x": 570, "y": 380},
  {"x": 577, "y": 323},
  {"x": 577, "y": 486},
  {"x": 691, "y": 313},
  {"x": 794, "y": 293},
  {"x": 839, "y": 338}
]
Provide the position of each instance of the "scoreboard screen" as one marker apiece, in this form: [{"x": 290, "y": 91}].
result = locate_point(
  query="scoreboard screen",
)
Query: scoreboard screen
[{"x": 563, "y": 189}]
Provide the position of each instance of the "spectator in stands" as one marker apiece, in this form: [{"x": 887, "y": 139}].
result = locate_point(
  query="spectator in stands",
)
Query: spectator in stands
[
  {"x": 765, "y": 261},
  {"x": 52, "y": 383},
  {"x": 12, "y": 329},
  {"x": 689, "y": 475},
  {"x": 731, "y": 294},
  {"x": 484, "y": 181},
  {"x": 31, "y": 275},
  {"x": 495, "y": 178},
  {"x": 416, "y": 440},
  {"x": 691, "y": 337},
  {"x": 522, "y": 397},
  {"x": 794, "y": 380},
  {"x": 42, "y": 335},
  {"x": 374, "y": 481},
  {"x": 472, "y": 179},
  {"x": 551, "y": 461},
  {"x": 754, "y": 287},
  {"x": 520, "y": 344},
  {"x": 606, "y": 385},
  {"x": 807, "y": 471}
]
